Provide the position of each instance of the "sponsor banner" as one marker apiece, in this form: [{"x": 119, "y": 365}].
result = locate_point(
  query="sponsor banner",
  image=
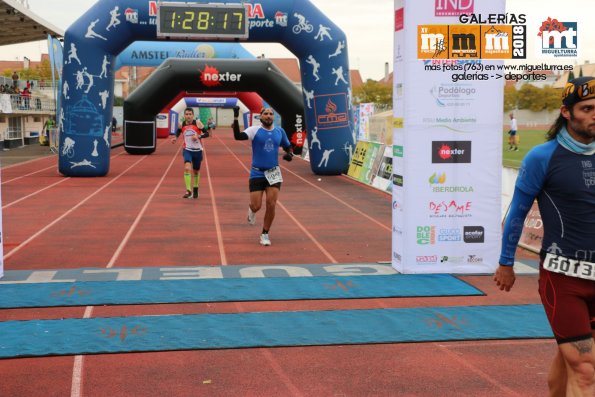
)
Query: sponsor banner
[
  {"x": 382, "y": 179},
  {"x": 363, "y": 114},
  {"x": 471, "y": 41},
  {"x": 447, "y": 146},
  {"x": 5, "y": 104},
  {"x": 357, "y": 160},
  {"x": 162, "y": 121},
  {"x": 1, "y": 235},
  {"x": 557, "y": 37},
  {"x": 365, "y": 161},
  {"x": 381, "y": 128}
]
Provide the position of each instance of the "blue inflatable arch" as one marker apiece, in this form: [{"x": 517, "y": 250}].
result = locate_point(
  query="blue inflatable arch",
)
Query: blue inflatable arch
[{"x": 92, "y": 43}]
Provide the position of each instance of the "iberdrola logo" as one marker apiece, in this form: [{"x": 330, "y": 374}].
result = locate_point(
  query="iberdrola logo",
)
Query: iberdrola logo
[{"x": 437, "y": 179}]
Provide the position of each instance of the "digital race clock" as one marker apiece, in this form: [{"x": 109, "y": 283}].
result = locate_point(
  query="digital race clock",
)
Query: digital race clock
[{"x": 202, "y": 21}]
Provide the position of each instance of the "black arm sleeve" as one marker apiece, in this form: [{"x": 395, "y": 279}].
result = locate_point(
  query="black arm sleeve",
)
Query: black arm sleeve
[
  {"x": 204, "y": 133},
  {"x": 237, "y": 134},
  {"x": 178, "y": 132}
]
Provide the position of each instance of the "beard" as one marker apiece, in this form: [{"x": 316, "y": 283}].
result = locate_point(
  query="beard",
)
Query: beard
[
  {"x": 587, "y": 133},
  {"x": 266, "y": 123}
]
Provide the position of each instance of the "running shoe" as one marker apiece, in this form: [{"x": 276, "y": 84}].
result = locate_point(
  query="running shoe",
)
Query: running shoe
[
  {"x": 195, "y": 193},
  {"x": 188, "y": 194},
  {"x": 251, "y": 217},
  {"x": 264, "y": 239}
]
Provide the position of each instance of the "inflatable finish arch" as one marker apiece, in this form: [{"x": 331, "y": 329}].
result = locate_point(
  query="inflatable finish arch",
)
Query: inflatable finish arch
[
  {"x": 176, "y": 75},
  {"x": 252, "y": 101},
  {"x": 106, "y": 29}
]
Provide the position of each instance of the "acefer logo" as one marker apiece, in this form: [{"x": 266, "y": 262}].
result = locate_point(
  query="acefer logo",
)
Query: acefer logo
[
  {"x": 558, "y": 39},
  {"x": 451, "y": 152},
  {"x": 449, "y": 8},
  {"x": 473, "y": 234}
]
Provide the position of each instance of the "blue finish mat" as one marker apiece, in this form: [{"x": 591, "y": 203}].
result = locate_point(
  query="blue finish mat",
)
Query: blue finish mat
[
  {"x": 230, "y": 290},
  {"x": 272, "y": 329}
]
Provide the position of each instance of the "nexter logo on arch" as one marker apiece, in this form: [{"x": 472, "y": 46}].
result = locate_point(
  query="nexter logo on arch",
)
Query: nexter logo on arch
[{"x": 211, "y": 77}]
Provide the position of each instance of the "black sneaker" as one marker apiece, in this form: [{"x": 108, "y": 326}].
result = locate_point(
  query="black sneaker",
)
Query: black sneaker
[
  {"x": 195, "y": 192},
  {"x": 188, "y": 194}
]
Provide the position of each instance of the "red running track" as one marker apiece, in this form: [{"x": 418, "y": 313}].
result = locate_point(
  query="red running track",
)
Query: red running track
[{"x": 135, "y": 217}]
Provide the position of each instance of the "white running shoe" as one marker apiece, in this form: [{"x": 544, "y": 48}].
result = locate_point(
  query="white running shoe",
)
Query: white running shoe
[
  {"x": 251, "y": 216},
  {"x": 264, "y": 239}
]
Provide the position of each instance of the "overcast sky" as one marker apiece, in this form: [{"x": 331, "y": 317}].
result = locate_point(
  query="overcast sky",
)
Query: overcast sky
[{"x": 368, "y": 25}]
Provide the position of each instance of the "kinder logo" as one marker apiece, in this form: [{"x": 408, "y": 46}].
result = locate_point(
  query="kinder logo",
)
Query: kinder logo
[
  {"x": 451, "y": 152},
  {"x": 211, "y": 77},
  {"x": 449, "y": 8},
  {"x": 473, "y": 234},
  {"x": 558, "y": 39}
]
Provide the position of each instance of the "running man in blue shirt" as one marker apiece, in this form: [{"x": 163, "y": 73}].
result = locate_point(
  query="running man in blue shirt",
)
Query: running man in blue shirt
[
  {"x": 265, "y": 173},
  {"x": 561, "y": 175}
]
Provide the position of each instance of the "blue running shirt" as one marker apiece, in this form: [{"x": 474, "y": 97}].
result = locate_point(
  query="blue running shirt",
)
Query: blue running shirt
[
  {"x": 265, "y": 148},
  {"x": 564, "y": 184}
]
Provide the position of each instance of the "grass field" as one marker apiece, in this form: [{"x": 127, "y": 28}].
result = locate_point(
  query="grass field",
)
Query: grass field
[{"x": 528, "y": 139}]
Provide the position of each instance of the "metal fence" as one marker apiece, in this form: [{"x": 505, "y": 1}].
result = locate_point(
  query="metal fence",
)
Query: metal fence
[
  {"x": 23, "y": 83},
  {"x": 32, "y": 104},
  {"x": 13, "y": 133}
]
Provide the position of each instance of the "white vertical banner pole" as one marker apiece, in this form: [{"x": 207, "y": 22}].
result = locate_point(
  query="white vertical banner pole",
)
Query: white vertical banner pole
[{"x": 447, "y": 144}]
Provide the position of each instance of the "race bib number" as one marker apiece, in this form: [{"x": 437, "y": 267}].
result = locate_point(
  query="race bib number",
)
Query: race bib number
[
  {"x": 273, "y": 175},
  {"x": 569, "y": 267}
]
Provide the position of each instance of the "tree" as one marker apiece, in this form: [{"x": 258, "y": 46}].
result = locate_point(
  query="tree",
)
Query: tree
[
  {"x": 511, "y": 98},
  {"x": 531, "y": 97},
  {"x": 375, "y": 92},
  {"x": 570, "y": 76},
  {"x": 551, "y": 97}
]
